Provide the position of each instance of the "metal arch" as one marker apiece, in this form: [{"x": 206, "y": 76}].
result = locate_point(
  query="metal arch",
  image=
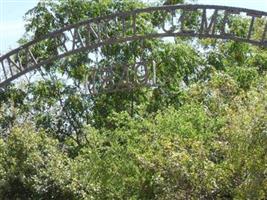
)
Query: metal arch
[{"x": 93, "y": 33}]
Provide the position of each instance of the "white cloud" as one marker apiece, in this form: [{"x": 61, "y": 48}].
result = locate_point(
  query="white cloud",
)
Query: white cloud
[
  {"x": 251, "y": 4},
  {"x": 10, "y": 26},
  {"x": 10, "y": 33}
]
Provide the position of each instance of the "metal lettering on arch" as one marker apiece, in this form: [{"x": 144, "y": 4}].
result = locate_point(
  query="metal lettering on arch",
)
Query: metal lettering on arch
[
  {"x": 119, "y": 77},
  {"x": 211, "y": 22}
]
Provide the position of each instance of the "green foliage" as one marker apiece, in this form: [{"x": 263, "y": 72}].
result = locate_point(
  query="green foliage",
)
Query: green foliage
[
  {"x": 194, "y": 152},
  {"x": 200, "y": 134},
  {"x": 33, "y": 167}
]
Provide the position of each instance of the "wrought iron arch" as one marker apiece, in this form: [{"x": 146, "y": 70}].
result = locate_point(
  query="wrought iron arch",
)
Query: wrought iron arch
[{"x": 212, "y": 22}]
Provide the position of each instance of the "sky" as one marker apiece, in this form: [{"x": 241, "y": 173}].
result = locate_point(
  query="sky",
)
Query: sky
[{"x": 12, "y": 12}]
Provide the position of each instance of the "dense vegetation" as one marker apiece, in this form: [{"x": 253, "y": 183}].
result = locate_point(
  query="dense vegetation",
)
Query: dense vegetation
[{"x": 201, "y": 134}]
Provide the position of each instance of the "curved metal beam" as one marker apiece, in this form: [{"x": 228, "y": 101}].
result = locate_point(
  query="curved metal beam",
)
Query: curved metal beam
[{"x": 212, "y": 22}]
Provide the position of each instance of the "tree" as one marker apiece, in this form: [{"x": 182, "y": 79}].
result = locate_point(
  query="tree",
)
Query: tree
[
  {"x": 56, "y": 103},
  {"x": 200, "y": 134},
  {"x": 34, "y": 167}
]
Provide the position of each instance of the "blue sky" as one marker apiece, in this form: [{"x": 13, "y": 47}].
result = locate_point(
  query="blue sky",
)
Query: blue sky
[{"x": 12, "y": 12}]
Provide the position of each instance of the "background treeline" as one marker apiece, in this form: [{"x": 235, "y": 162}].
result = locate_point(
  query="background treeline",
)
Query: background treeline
[{"x": 200, "y": 134}]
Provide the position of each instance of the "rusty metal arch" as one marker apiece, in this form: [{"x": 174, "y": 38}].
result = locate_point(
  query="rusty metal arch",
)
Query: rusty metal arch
[{"x": 97, "y": 32}]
